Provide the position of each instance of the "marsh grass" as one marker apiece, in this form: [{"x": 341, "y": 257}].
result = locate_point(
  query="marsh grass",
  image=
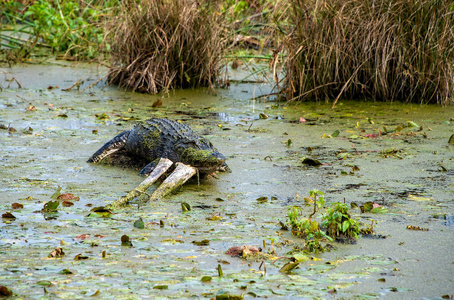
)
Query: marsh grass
[
  {"x": 162, "y": 45},
  {"x": 381, "y": 49}
]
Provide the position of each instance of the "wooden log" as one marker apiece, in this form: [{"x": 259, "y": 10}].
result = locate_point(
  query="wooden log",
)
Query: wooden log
[
  {"x": 163, "y": 165},
  {"x": 179, "y": 176}
]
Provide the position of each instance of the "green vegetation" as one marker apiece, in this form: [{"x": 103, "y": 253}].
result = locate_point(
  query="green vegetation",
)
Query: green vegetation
[
  {"x": 306, "y": 227},
  {"x": 385, "y": 50},
  {"x": 338, "y": 221},
  {"x": 162, "y": 45},
  {"x": 74, "y": 29}
]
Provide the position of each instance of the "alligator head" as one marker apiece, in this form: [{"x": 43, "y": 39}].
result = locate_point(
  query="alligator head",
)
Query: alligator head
[{"x": 206, "y": 161}]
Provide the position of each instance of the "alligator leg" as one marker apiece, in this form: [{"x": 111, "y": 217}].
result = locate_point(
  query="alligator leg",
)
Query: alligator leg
[{"x": 110, "y": 147}]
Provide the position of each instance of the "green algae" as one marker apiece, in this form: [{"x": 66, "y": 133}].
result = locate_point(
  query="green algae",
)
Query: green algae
[{"x": 54, "y": 154}]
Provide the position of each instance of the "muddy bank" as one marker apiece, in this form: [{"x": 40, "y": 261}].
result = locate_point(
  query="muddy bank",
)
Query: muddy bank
[{"x": 408, "y": 171}]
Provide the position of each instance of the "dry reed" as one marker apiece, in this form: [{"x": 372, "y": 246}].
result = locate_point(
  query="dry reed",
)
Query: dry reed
[
  {"x": 164, "y": 44},
  {"x": 381, "y": 49}
]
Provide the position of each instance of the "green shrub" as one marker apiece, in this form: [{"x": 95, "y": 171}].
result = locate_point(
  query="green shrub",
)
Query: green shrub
[
  {"x": 74, "y": 28},
  {"x": 338, "y": 221}
]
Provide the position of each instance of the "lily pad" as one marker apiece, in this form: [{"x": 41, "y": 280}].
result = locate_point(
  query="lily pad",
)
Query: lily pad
[{"x": 311, "y": 162}]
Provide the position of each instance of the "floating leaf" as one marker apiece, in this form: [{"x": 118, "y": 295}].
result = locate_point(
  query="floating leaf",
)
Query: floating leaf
[
  {"x": 416, "y": 198},
  {"x": 206, "y": 279},
  {"x": 100, "y": 211},
  {"x": 299, "y": 257},
  {"x": 5, "y": 292},
  {"x": 161, "y": 287},
  {"x": 17, "y": 206},
  {"x": 229, "y": 297},
  {"x": 214, "y": 218},
  {"x": 443, "y": 169},
  {"x": 95, "y": 294},
  {"x": 66, "y": 272},
  {"x": 262, "y": 199},
  {"x": 185, "y": 206},
  {"x": 102, "y": 116},
  {"x": 172, "y": 241},
  {"x": 81, "y": 237},
  {"x": 311, "y": 162},
  {"x": 44, "y": 283},
  {"x": 139, "y": 224},
  {"x": 241, "y": 250},
  {"x": 411, "y": 227},
  {"x": 68, "y": 196},
  {"x": 31, "y": 108},
  {"x": 157, "y": 103},
  {"x": 8, "y": 215},
  {"x": 451, "y": 140},
  {"x": 58, "y": 252},
  {"x": 56, "y": 194},
  {"x": 289, "y": 267},
  {"x": 51, "y": 206},
  {"x": 335, "y": 133},
  {"x": 379, "y": 210},
  {"x": 263, "y": 116},
  {"x": 125, "y": 241},
  {"x": 201, "y": 243},
  {"x": 412, "y": 124},
  {"x": 67, "y": 203},
  {"x": 367, "y": 207},
  {"x": 80, "y": 257}
]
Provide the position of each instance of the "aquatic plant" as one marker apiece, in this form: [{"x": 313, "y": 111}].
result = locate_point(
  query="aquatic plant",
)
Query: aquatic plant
[
  {"x": 338, "y": 221},
  {"x": 160, "y": 45},
  {"x": 385, "y": 50},
  {"x": 307, "y": 227}
]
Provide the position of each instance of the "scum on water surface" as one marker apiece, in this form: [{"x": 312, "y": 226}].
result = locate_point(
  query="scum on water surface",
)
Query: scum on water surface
[{"x": 408, "y": 171}]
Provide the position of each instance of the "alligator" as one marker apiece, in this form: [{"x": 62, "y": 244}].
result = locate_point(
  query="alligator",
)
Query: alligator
[{"x": 163, "y": 138}]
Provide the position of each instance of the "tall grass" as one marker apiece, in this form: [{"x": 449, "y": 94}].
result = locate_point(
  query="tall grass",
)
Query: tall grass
[
  {"x": 381, "y": 49},
  {"x": 164, "y": 44}
]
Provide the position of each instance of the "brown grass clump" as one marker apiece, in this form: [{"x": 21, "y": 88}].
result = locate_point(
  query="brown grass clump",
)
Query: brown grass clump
[
  {"x": 165, "y": 44},
  {"x": 381, "y": 49}
]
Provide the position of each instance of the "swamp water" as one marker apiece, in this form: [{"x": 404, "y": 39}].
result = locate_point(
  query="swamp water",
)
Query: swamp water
[{"x": 409, "y": 172}]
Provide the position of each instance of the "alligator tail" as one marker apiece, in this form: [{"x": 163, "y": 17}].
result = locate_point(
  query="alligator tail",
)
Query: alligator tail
[{"x": 110, "y": 147}]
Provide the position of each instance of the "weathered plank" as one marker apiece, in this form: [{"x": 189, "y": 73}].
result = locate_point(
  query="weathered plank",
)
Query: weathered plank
[
  {"x": 178, "y": 177},
  {"x": 163, "y": 165}
]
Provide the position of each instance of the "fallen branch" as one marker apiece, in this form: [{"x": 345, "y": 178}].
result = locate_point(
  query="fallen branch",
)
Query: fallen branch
[
  {"x": 178, "y": 177},
  {"x": 163, "y": 165}
]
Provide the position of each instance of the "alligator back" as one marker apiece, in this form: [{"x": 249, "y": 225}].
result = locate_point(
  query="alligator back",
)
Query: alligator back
[
  {"x": 163, "y": 138},
  {"x": 156, "y": 138}
]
